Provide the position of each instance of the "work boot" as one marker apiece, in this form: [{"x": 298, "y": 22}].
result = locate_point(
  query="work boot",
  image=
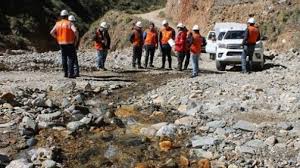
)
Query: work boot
[
  {"x": 162, "y": 67},
  {"x": 72, "y": 76}
]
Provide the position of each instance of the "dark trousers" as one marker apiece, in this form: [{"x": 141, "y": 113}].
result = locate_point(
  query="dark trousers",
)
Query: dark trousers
[
  {"x": 137, "y": 56},
  {"x": 180, "y": 58},
  {"x": 68, "y": 53},
  {"x": 187, "y": 59},
  {"x": 101, "y": 58},
  {"x": 166, "y": 52},
  {"x": 248, "y": 51},
  {"x": 76, "y": 65},
  {"x": 150, "y": 51}
]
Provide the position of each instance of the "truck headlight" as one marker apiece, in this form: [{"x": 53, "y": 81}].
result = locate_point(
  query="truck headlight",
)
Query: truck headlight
[
  {"x": 222, "y": 46},
  {"x": 258, "y": 56},
  {"x": 259, "y": 45}
]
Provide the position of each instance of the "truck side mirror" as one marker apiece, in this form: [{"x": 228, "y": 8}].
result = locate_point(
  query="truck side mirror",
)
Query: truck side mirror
[{"x": 264, "y": 38}]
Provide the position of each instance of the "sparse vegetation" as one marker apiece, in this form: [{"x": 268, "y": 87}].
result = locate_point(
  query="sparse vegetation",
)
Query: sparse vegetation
[
  {"x": 280, "y": 22},
  {"x": 162, "y": 14},
  {"x": 121, "y": 26},
  {"x": 32, "y": 20}
]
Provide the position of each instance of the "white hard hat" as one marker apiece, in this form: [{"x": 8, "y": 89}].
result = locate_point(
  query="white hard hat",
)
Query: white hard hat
[
  {"x": 196, "y": 27},
  {"x": 71, "y": 18},
  {"x": 251, "y": 20},
  {"x": 104, "y": 25},
  {"x": 64, "y": 13},
  {"x": 139, "y": 24},
  {"x": 164, "y": 22},
  {"x": 180, "y": 25}
]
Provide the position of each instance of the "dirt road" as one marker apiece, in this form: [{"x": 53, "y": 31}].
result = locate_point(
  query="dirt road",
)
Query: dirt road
[{"x": 155, "y": 17}]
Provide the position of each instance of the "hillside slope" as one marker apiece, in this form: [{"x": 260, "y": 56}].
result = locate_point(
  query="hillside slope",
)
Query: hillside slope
[
  {"x": 278, "y": 20},
  {"x": 26, "y": 24}
]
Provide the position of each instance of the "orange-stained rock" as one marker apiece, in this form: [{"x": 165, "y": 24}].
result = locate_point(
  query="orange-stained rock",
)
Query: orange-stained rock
[
  {"x": 184, "y": 162},
  {"x": 204, "y": 163},
  {"x": 158, "y": 114},
  {"x": 140, "y": 165},
  {"x": 165, "y": 145}
]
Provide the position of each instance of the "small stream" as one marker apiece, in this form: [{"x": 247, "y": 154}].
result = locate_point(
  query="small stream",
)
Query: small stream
[{"x": 119, "y": 143}]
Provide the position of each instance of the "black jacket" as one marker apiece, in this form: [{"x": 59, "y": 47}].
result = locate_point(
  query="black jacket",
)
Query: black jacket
[{"x": 104, "y": 38}]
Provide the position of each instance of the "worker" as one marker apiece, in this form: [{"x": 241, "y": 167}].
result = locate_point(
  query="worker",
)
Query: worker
[
  {"x": 196, "y": 43},
  {"x": 136, "y": 38},
  {"x": 188, "y": 50},
  {"x": 150, "y": 44},
  {"x": 180, "y": 45},
  {"x": 251, "y": 36},
  {"x": 166, "y": 33},
  {"x": 76, "y": 65},
  {"x": 102, "y": 45},
  {"x": 66, "y": 34}
]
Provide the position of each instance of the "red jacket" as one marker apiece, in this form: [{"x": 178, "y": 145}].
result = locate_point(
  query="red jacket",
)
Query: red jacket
[{"x": 180, "y": 42}]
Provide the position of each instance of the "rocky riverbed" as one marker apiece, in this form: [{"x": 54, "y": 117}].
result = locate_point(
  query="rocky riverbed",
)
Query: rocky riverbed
[{"x": 148, "y": 118}]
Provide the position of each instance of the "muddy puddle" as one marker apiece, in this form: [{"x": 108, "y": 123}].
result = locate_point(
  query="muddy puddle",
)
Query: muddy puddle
[{"x": 119, "y": 142}]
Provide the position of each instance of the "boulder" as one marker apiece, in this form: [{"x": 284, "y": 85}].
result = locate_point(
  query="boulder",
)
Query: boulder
[
  {"x": 148, "y": 132},
  {"x": 198, "y": 141},
  {"x": 167, "y": 130},
  {"x": 49, "y": 103},
  {"x": 38, "y": 102},
  {"x": 20, "y": 163},
  {"x": 256, "y": 143},
  {"x": 28, "y": 126},
  {"x": 48, "y": 117},
  {"x": 39, "y": 155},
  {"x": 245, "y": 150},
  {"x": 216, "y": 124},
  {"x": 245, "y": 126},
  {"x": 188, "y": 121},
  {"x": 75, "y": 125},
  {"x": 49, "y": 164},
  {"x": 200, "y": 153},
  {"x": 271, "y": 141}
]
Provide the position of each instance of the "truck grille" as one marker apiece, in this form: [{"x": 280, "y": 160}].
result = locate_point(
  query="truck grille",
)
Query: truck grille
[
  {"x": 234, "y": 46},
  {"x": 234, "y": 53}
]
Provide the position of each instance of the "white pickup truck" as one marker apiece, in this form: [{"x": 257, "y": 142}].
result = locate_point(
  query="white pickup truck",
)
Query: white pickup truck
[{"x": 228, "y": 46}]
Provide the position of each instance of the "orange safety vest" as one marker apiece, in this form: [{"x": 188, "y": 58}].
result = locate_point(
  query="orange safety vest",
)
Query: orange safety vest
[
  {"x": 166, "y": 35},
  {"x": 98, "y": 43},
  {"x": 137, "y": 41},
  {"x": 151, "y": 38},
  {"x": 197, "y": 43},
  {"x": 64, "y": 33},
  {"x": 253, "y": 34}
]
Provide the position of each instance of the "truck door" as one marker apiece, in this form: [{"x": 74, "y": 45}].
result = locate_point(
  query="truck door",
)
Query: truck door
[{"x": 211, "y": 46}]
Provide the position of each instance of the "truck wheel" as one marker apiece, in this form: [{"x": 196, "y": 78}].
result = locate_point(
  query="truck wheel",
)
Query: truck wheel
[
  {"x": 212, "y": 56},
  {"x": 259, "y": 67},
  {"x": 220, "y": 66}
]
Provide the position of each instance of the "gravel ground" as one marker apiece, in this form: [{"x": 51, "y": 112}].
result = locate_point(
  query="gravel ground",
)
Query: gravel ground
[{"x": 226, "y": 119}]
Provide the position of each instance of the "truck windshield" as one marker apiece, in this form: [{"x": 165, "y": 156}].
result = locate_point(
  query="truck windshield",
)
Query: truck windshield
[
  {"x": 234, "y": 35},
  {"x": 221, "y": 35}
]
